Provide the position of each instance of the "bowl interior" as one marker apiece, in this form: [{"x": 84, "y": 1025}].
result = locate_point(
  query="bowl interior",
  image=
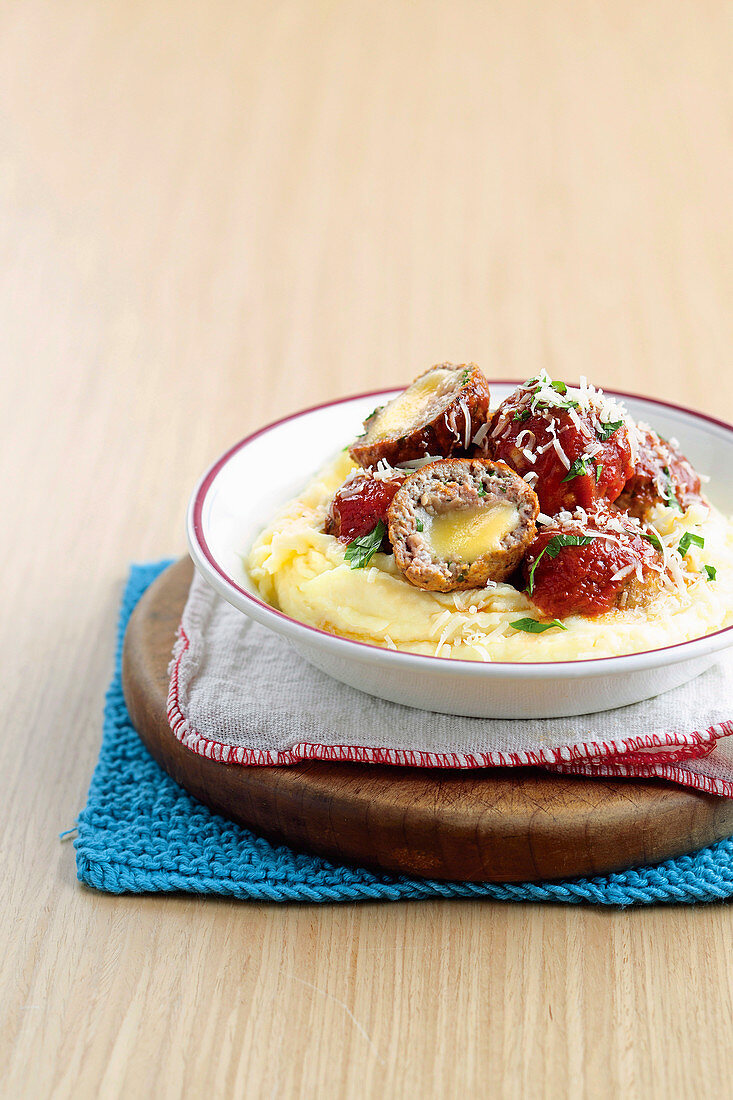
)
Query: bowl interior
[{"x": 238, "y": 496}]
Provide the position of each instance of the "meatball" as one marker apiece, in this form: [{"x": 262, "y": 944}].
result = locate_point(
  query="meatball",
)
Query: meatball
[
  {"x": 572, "y": 446},
  {"x": 589, "y": 564},
  {"x": 662, "y": 475},
  {"x": 437, "y": 415},
  {"x": 359, "y": 505},
  {"x": 460, "y": 523}
]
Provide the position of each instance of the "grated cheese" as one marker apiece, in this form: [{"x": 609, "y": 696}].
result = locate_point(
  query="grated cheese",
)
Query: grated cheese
[
  {"x": 418, "y": 463},
  {"x": 539, "y": 397},
  {"x": 481, "y": 434},
  {"x": 560, "y": 452},
  {"x": 466, "y": 421}
]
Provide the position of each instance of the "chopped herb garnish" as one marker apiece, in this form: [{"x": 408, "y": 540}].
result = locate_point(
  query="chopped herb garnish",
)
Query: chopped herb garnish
[
  {"x": 654, "y": 540},
  {"x": 373, "y": 413},
  {"x": 361, "y": 550},
  {"x": 599, "y": 471},
  {"x": 553, "y": 548},
  {"x": 538, "y": 403},
  {"x": 578, "y": 469},
  {"x": 481, "y": 491},
  {"x": 465, "y": 376},
  {"x": 533, "y": 626},
  {"x": 687, "y": 540},
  {"x": 558, "y": 387},
  {"x": 669, "y": 495},
  {"x": 711, "y": 571},
  {"x": 523, "y": 414},
  {"x": 605, "y": 431},
  {"x": 419, "y": 524}
]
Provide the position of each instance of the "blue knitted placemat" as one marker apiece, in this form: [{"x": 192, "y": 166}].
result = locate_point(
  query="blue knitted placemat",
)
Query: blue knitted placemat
[{"x": 141, "y": 832}]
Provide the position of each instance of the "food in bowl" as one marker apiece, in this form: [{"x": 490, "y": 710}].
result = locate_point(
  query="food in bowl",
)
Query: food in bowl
[
  {"x": 460, "y": 523},
  {"x": 553, "y": 527}
]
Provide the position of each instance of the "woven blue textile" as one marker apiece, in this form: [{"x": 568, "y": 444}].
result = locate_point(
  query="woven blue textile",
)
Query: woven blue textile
[{"x": 140, "y": 832}]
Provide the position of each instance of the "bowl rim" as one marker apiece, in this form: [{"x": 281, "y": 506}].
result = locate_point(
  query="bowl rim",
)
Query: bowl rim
[{"x": 260, "y": 610}]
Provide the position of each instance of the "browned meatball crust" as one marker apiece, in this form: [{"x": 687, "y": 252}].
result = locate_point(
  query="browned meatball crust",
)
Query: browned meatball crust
[
  {"x": 438, "y": 414},
  {"x": 461, "y": 523}
]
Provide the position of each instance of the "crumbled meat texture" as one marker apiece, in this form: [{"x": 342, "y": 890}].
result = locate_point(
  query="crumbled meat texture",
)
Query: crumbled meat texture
[
  {"x": 444, "y": 424},
  {"x": 442, "y": 487}
]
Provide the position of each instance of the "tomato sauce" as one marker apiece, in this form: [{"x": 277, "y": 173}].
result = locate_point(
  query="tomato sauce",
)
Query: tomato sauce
[
  {"x": 579, "y": 580},
  {"x": 590, "y": 479},
  {"x": 359, "y": 505}
]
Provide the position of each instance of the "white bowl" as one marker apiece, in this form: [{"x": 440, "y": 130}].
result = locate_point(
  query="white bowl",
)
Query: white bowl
[{"x": 237, "y": 496}]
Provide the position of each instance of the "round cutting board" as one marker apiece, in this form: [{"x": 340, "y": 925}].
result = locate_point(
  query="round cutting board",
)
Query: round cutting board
[{"x": 490, "y": 824}]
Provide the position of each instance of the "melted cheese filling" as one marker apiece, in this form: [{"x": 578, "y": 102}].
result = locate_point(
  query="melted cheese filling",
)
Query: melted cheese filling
[
  {"x": 402, "y": 413},
  {"x": 465, "y": 534}
]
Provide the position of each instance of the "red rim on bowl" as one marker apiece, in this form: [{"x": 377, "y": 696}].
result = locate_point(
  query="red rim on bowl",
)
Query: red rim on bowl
[{"x": 200, "y": 549}]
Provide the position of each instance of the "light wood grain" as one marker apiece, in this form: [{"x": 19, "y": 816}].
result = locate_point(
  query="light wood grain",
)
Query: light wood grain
[{"x": 216, "y": 212}]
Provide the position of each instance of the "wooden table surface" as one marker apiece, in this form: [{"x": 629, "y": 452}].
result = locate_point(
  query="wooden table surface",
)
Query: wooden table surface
[{"x": 215, "y": 213}]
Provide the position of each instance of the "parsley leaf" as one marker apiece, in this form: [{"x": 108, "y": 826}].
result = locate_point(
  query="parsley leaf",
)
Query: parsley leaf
[
  {"x": 481, "y": 491},
  {"x": 578, "y": 469},
  {"x": 558, "y": 387},
  {"x": 419, "y": 525},
  {"x": 669, "y": 494},
  {"x": 687, "y": 540},
  {"x": 522, "y": 415},
  {"x": 599, "y": 471},
  {"x": 606, "y": 430},
  {"x": 711, "y": 571},
  {"x": 533, "y": 626},
  {"x": 538, "y": 403},
  {"x": 654, "y": 540},
  {"x": 553, "y": 548},
  {"x": 360, "y": 551}
]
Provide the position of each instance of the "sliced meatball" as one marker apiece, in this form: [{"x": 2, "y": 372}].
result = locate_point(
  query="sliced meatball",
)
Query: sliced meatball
[
  {"x": 589, "y": 564},
  {"x": 662, "y": 475},
  {"x": 461, "y": 522},
  {"x": 437, "y": 415},
  {"x": 361, "y": 502},
  {"x": 572, "y": 445}
]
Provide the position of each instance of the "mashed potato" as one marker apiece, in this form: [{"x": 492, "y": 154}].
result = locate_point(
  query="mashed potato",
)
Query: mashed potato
[{"x": 300, "y": 570}]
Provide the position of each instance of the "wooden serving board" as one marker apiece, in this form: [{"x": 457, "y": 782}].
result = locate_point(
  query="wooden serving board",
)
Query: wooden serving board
[{"x": 481, "y": 825}]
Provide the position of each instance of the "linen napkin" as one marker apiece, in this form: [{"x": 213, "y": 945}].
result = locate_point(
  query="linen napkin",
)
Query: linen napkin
[{"x": 241, "y": 694}]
